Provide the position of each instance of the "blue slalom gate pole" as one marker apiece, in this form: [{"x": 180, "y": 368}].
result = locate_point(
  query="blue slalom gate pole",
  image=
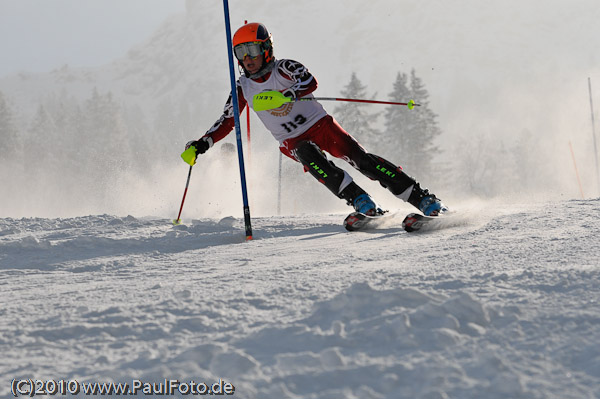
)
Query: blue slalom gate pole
[{"x": 236, "y": 118}]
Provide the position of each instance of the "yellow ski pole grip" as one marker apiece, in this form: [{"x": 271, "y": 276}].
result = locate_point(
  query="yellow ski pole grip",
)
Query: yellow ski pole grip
[{"x": 189, "y": 156}]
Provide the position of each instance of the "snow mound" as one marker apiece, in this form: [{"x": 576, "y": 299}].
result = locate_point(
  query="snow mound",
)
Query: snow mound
[
  {"x": 386, "y": 342},
  {"x": 505, "y": 307}
]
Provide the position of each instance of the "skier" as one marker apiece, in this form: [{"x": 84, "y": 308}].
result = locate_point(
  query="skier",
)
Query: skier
[{"x": 305, "y": 131}]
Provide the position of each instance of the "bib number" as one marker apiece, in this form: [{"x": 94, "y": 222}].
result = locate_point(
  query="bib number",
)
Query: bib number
[{"x": 291, "y": 126}]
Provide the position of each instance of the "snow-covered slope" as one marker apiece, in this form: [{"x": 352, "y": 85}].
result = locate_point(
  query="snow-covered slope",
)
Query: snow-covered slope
[{"x": 503, "y": 307}]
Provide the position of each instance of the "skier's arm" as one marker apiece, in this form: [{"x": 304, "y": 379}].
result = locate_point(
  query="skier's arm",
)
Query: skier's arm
[
  {"x": 303, "y": 82},
  {"x": 222, "y": 127}
]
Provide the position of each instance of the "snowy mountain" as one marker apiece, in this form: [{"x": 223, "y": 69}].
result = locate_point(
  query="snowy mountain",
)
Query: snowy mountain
[{"x": 505, "y": 306}]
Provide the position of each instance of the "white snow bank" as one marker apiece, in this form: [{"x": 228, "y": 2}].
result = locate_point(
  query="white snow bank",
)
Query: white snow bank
[{"x": 503, "y": 308}]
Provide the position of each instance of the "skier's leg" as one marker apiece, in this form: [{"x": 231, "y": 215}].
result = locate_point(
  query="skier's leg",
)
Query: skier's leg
[
  {"x": 335, "y": 179},
  {"x": 342, "y": 145},
  {"x": 399, "y": 183}
]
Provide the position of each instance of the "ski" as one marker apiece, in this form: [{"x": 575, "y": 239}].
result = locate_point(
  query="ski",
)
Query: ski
[
  {"x": 414, "y": 221},
  {"x": 359, "y": 221},
  {"x": 418, "y": 222}
]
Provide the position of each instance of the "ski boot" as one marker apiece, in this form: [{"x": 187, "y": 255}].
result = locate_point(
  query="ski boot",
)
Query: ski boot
[
  {"x": 365, "y": 204},
  {"x": 366, "y": 213},
  {"x": 430, "y": 205}
]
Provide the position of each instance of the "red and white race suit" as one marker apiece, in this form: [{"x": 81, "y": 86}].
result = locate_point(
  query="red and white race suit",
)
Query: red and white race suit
[
  {"x": 292, "y": 122},
  {"x": 299, "y": 126}
]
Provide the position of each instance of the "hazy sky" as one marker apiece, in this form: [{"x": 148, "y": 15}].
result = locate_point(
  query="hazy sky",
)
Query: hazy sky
[{"x": 40, "y": 35}]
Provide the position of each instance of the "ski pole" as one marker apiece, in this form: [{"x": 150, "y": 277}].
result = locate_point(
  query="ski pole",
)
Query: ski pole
[
  {"x": 178, "y": 220},
  {"x": 279, "y": 186},
  {"x": 275, "y": 99}
]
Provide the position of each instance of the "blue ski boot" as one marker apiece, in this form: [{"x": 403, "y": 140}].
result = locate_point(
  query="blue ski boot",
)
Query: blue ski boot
[
  {"x": 430, "y": 205},
  {"x": 365, "y": 204}
]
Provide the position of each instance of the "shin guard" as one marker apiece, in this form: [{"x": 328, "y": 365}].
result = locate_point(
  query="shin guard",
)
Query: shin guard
[
  {"x": 387, "y": 174},
  {"x": 393, "y": 178},
  {"x": 317, "y": 164}
]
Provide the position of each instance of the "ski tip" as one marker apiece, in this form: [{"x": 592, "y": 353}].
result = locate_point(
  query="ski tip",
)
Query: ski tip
[
  {"x": 412, "y": 222},
  {"x": 357, "y": 220},
  {"x": 353, "y": 221}
]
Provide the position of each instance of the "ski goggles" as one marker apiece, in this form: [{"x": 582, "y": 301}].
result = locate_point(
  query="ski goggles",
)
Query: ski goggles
[{"x": 252, "y": 49}]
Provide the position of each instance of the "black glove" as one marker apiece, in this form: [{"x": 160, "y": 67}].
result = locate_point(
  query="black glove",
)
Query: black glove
[
  {"x": 201, "y": 145},
  {"x": 289, "y": 93}
]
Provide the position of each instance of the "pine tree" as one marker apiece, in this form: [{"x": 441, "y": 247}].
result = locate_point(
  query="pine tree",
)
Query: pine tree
[
  {"x": 41, "y": 133},
  {"x": 354, "y": 117},
  {"x": 66, "y": 142},
  {"x": 105, "y": 129},
  {"x": 8, "y": 130},
  {"x": 104, "y": 153},
  {"x": 143, "y": 147},
  {"x": 427, "y": 128},
  {"x": 165, "y": 126},
  {"x": 411, "y": 134},
  {"x": 398, "y": 122}
]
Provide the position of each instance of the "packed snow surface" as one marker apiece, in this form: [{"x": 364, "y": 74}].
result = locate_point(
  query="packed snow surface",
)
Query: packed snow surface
[{"x": 504, "y": 305}]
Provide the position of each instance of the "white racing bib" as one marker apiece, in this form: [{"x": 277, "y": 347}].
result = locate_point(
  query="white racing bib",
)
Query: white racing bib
[{"x": 291, "y": 119}]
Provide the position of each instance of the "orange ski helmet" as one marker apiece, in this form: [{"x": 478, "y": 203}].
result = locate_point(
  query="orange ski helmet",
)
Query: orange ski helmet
[{"x": 253, "y": 39}]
